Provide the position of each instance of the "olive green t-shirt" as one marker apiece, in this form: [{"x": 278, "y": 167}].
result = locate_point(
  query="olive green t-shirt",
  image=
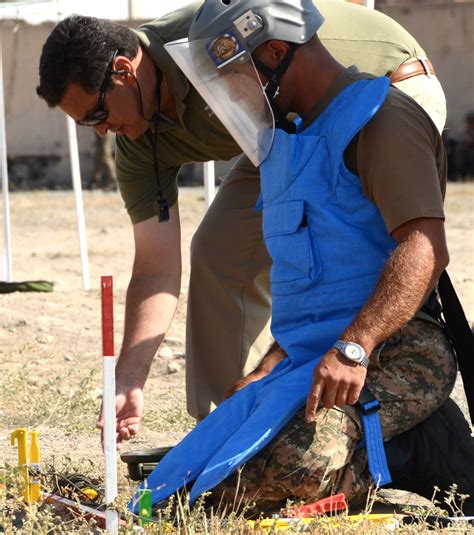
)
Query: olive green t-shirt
[
  {"x": 353, "y": 34},
  {"x": 399, "y": 155}
]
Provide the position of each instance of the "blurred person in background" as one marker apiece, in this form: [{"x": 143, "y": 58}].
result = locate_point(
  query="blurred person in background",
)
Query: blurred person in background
[
  {"x": 465, "y": 149},
  {"x": 103, "y": 174}
]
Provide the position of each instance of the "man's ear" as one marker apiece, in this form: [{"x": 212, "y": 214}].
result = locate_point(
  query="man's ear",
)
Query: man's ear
[
  {"x": 277, "y": 50},
  {"x": 124, "y": 67},
  {"x": 272, "y": 52}
]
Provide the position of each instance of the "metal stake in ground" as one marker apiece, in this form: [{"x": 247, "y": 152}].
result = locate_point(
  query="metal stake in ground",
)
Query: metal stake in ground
[{"x": 108, "y": 403}]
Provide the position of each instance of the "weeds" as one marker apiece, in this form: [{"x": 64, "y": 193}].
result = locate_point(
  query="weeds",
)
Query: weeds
[
  {"x": 63, "y": 404},
  {"x": 175, "y": 417},
  {"x": 176, "y": 517},
  {"x": 28, "y": 404}
]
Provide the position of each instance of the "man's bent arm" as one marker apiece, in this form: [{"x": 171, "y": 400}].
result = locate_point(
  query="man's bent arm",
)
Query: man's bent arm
[
  {"x": 408, "y": 277},
  {"x": 151, "y": 301}
]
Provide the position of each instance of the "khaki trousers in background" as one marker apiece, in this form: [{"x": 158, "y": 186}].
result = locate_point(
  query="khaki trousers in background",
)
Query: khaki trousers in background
[{"x": 229, "y": 303}]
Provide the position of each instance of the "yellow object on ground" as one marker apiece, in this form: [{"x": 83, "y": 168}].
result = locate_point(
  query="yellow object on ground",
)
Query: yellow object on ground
[
  {"x": 34, "y": 468},
  {"x": 90, "y": 494},
  {"x": 20, "y": 435},
  {"x": 388, "y": 521},
  {"x": 28, "y": 462}
]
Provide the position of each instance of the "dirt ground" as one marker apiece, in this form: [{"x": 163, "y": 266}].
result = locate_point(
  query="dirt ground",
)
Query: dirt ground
[{"x": 50, "y": 344}]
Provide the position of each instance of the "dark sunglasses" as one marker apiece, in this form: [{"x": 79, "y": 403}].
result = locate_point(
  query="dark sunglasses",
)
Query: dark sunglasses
[{"x": 100, "y": 113}]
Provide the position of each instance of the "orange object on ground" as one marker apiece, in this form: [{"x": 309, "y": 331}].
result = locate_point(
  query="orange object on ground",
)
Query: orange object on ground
[{"x": 330, "y": 504}]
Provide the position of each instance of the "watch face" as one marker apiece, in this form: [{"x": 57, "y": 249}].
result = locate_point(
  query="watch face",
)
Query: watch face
[{"x": 353, "y": 352}]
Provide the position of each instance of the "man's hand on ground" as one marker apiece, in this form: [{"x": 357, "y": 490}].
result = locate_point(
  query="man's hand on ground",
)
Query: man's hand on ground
[
  {"x": 336, "y": 381},
  {"x": 129, "y": 411}
]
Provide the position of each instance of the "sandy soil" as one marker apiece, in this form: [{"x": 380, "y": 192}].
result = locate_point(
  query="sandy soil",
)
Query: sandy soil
[{"x": 57, "y": 335}]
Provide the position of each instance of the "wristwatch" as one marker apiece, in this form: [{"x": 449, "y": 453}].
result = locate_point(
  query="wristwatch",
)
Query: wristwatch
[{"x": 353, "y": 351}]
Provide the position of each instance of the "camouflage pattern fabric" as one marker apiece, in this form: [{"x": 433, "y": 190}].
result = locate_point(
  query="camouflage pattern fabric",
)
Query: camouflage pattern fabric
[{"x": 412, "y": 374}]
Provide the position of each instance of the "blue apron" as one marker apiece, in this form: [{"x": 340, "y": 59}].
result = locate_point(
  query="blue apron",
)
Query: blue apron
[{"x": 328, "y": 244}]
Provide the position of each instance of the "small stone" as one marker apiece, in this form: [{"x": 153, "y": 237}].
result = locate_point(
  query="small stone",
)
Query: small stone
[
  {"x": 166, "y": 353},
  {"x": 173, "y": 367},
  {"x": 68, "y": 358},
  {"x": 96, "y": 393},
  {"x": 67, "y": 391},
  {"x": 173, "y": 341},
  {"x": 180, "y": 355},
  {"x": 45, "y": 339}
]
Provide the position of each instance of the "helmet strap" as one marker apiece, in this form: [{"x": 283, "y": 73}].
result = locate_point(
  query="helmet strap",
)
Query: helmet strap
[{"x": 272, "y": 87}]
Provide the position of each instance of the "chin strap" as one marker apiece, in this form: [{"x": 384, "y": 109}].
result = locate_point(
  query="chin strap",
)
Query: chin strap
[{"x": 272, "y": 87}]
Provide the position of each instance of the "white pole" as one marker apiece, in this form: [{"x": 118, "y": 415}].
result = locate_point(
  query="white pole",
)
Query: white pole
[
  {"x": 6, "y": 267},
  {"x": 110, "y": 446},
  {"x": 108, "y": 403},
  {"x": 76, "y": 182},
  {"x": 209, "y": 183},
  {"x": 370, "y": 4}
]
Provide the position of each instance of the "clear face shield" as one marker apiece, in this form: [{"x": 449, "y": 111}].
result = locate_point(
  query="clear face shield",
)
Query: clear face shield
[{"x": 223, "y": 73}]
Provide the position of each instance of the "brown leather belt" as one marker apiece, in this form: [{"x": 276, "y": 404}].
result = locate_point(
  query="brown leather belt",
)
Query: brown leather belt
[{"x": 412, "y": 68}]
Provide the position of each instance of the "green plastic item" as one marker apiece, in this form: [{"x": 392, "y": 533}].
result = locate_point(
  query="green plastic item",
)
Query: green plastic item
[
  {"x": 145, "y": 506},
  {"x": 26, "y": 286}
]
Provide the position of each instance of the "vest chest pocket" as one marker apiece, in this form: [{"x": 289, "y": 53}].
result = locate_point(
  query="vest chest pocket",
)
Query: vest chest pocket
[{"x": 296, "y": 265}]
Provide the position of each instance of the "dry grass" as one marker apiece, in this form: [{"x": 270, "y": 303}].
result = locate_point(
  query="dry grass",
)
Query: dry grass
[
  {"x": 78, "y": 409},
  {"x": 178, "y": 518},
  {"x": 68, "y": 404}
]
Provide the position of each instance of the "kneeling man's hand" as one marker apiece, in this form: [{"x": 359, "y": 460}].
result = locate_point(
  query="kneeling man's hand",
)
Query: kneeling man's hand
[
  {"x": 336, "y": 381},
  {"x": 274, "y": 356},
  {"x": 244, "y": 381}
]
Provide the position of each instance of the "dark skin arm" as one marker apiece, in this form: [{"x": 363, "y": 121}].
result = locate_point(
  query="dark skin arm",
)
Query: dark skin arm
[
  {"x": 274, "y": 355},
  {"x": 409, "y": 276}
]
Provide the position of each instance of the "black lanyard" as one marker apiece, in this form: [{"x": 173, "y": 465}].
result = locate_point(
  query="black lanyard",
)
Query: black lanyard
[{"x": 161, "y": 204}]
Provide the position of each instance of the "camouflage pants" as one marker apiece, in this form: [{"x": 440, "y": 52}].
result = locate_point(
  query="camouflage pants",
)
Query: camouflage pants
[{"x": 412, "y": 374}]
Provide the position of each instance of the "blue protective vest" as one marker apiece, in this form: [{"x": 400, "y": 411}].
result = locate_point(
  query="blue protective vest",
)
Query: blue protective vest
[{"x": 328, "y": 245}]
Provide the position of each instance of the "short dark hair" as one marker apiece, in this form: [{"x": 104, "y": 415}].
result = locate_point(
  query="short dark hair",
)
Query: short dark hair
[{"x": 78, "y": 50}]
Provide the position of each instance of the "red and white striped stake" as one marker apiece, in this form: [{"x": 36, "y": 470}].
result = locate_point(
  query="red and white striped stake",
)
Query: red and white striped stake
[{"x": 108, "y": 402}]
